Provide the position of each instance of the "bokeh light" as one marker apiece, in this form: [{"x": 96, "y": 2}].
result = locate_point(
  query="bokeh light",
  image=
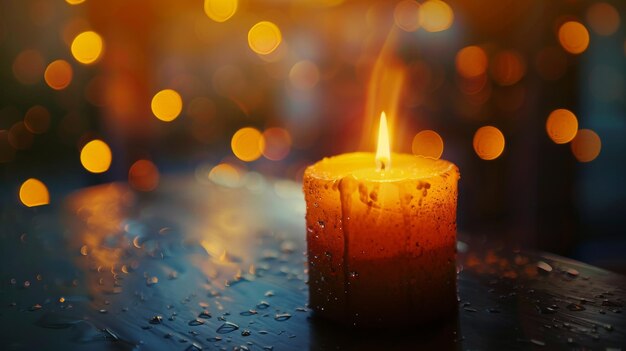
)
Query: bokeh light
[
  {"x": 58, "y": 74},
  {"x": 37, "y": 119},
  {"x": 435, "y": 16},
  {"x": 34, "y": 193},
  {"x": 304, "y": 75},
  {"x": 406, "y": 15},
  {"x": 562, "y": 126},
  {"x": 220, "y": 10},
  {"x": 225, "y": 174},
  {"x": 28, "y": 67},
  {"x": 87, "y": 47},
  {"x": 471, "y": 61},
  {"x": 586, "y": 145},
  {"x": 96, "y": 156},
  {"x": 508, "y": 68},
  {"x": 488, "y": 142},
  {"x": 167, "y": 105},
  {"x": 247, "y": 144},
  {"x": 277, "y": 143},
  {"x": 143, "y": 175},
  {"x": 427, "y": 143},
  {"x": 574, "y": 37},
  {"x": 264, "y": 37},
  {"x": 20, "y": 137},
  {"x": 603, "y": 18}
]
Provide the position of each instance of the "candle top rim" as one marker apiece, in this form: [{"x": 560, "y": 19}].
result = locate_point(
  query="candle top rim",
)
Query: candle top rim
[{"x": 362, "y": 165}]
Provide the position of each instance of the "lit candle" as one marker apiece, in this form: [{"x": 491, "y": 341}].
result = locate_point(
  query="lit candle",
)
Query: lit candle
[{"x": 381, "y": 236}]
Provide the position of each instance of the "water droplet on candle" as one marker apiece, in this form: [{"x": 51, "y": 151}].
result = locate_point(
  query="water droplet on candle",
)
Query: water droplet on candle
[
  {"x": 282, "y": 317},
  {"x": 575, "y": 307},
  {"x": 321, "y": 224},
  {"x": 156, "y": 319},
  {"x": 227, "y": 327},
  {"x": 195, "y": 322}
]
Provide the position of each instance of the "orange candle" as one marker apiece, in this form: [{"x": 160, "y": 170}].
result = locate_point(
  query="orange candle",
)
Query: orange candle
[{"x": 381, "y": 236}]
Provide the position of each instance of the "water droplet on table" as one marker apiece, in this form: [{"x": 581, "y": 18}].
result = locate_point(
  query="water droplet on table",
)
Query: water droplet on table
[
  {"x": 195, "y": 322},
  {"x": 282, "y": 317},
  {"x": 156, "y": 319},
  {"x": 575, "y": 307},
  {"x": 543, "y": 267},
  {"x": 248, "y": 313},
  {"x": 227, "y": 327},
  {"x": 204, "y": 314},
  {"x": 245, "y": 332},
  {"x": 263, "y": 305}
]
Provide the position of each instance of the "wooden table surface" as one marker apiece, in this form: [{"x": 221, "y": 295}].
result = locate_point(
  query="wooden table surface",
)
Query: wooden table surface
[{"x": 196, "y": 265}]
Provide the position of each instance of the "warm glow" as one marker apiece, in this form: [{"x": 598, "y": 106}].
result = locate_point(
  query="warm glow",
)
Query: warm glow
[
  {"x": 406, "y": 15},
  {"x": 28, "y": 67},
  {"x": 34, "y": 193},
  {"x": 428, "y": 143},
  {"x": 264, "y": 37},
  {"x": 562, "y": 126},
  {"x": 435, "y": 16},
  {"x": 87, "y": 47},
  {"x": 58, "y": 74},
  {"x": 247, "y": 144},
  {"x": 143, "y": 175},
  {"x": 603, "y": 18},
  {"x": 508, "y": 67},
  {"x": 277, "y": 143},
  {"x": 383, "y": 151},
  {"x": 74, "y": 2},
  {"x": 96, "y": 156},
  {"x": 471, "y": 61},
  {"x": 586, "y": 145},
  {"x": 167, "y": 105},
  {"x": 220, "y": 10},
  {"x": 488, "y": 143},
  {"x": 574, "y": 37},
  {"x": 37, "y": 119}
]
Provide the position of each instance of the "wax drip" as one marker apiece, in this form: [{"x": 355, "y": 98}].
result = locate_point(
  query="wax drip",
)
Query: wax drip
[
  {"x": 347, "y": 186},
  {"x": 404, "y": 193}
]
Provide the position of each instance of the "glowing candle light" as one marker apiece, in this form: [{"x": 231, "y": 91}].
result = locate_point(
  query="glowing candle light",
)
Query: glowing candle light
[{"x": 381, "y": 236}]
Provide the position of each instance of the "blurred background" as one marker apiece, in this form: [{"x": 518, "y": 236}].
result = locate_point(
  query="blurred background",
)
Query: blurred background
[{"x": 526, "y": 97}]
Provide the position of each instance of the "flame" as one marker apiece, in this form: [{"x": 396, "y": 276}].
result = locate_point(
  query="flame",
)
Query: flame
[{"x": 383, "y": 153}]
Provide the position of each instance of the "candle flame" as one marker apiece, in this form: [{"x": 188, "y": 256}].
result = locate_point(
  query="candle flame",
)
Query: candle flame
[{"x": 383, "y": 153}]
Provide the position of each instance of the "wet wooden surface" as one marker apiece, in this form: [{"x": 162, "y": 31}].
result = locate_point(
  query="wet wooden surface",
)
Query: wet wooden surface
[{"x": 200, "y": 265}]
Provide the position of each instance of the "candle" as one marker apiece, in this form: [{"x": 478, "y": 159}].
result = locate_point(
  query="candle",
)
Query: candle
[{"x": 381, "y": 236}]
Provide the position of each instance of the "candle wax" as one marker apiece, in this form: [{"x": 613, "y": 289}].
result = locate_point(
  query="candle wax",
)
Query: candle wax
[{"x": 381, "y": 244}]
